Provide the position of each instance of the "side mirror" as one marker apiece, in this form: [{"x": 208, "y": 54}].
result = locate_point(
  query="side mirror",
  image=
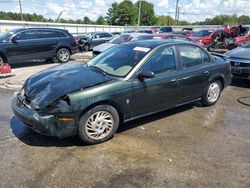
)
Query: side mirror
[{"x": 145, "y": 75}]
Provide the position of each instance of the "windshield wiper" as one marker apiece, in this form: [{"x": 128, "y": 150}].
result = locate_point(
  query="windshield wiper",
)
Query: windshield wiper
[{"x": 97, "y": 68}]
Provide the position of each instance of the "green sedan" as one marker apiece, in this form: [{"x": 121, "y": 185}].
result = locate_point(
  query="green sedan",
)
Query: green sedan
[{"x": 125, "y": 82}]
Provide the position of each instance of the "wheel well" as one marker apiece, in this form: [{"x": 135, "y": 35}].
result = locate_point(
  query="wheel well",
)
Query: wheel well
[
  {"x": 104, "y": 103},
  {"x": 64, "y": 47},
  {"x": 221, "y": 81},
  {"x": 5, "y": 59}
]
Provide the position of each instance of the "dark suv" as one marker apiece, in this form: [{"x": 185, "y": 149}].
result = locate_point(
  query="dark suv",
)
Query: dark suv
[{"x": 25, "y": 44}]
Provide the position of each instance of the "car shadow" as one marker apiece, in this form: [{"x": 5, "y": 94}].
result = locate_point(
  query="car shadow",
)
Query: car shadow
[
  {"x": 33, "y": 63},
  {"x": 239, "y": 82},
  {"x": 157, "y": 116},
  {"x": 29, "y": 137}
]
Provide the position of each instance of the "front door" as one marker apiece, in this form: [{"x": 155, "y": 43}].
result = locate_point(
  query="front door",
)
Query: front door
[
  {"x": 23, "y": 48},
  {"x": 162, "y": 91}
]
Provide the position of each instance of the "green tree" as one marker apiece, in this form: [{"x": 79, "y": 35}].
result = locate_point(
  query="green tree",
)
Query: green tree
[
  {"x": 112, "y": 14},
  {"x": 101, "y": 21},
  {"x": 165, "y": 20},
  {"x": 244, "y": 19},
  {"x": 147, "y": 13},
  {"x": 123, "y": 13},
  {"x": 86, "y": 20}
]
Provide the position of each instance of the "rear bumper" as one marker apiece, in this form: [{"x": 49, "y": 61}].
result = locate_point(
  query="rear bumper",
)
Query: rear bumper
[{"x": 43, "y": 124}]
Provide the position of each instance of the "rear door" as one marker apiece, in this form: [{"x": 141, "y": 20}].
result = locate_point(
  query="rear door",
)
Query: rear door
[
  {"x": 163, "y": 90},
  {"x": 195, "y": 71},
  {"x": 47, "y": 42},
  {"x": 24, "y": 47}
]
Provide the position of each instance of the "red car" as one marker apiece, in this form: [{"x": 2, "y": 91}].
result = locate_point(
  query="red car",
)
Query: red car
[
  {"x": 204, "y": 36},
  {"x": 242, "y": 39}
]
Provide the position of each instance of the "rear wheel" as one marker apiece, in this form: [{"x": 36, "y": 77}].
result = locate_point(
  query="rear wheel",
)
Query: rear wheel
[
  {"x": 63, "y": 55},
  {"x": 86, "y": 47},
  {"x": 99, "y": 124},
  {"x": 1, "y": 60},
  {"x": 212, "y": 94}
]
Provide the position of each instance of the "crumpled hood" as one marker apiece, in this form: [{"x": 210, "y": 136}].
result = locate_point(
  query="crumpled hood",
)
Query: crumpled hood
[
  {"x": 241, "y": 53},
  {"x": 46, "y": 86},
  {"x": 104, "y": 46}
]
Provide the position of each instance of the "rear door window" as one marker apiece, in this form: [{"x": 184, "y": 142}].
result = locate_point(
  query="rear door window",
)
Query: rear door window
[{"x": 192, "y": 56}]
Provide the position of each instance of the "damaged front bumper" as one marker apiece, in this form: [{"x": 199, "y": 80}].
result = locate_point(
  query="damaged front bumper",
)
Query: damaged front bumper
[{"x": 46, "y": 124}]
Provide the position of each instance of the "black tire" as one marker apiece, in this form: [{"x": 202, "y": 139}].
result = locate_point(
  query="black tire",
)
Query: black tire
[
  {"x": 2, "y": 60},
  {"x": 83, "y": 127},
  {"x": 63, "y": 55},
  {"x": 205, "y": 101},
  {"x": 86, "y": 47}
]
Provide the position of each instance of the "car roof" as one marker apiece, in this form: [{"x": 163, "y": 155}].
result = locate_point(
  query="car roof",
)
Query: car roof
[
  {"x": 153, "y": 43},
  {"x": 47, "y": 28}
]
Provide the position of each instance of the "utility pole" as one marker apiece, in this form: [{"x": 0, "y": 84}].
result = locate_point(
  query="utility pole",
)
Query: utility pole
[
  {"x": 139, "y": 14},
  {"x": 178, "y": 15},
  {"x": 176, "y": 11},
  {"x": 59, "y": 16},
  {"x": 21, "y": 9}
]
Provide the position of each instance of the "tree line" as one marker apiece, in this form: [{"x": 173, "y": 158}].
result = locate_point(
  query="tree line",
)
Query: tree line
[{"x": 126, "y": 13}]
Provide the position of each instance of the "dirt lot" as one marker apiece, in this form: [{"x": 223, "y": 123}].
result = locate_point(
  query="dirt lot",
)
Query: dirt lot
[
  {"x": 24, "y": 70},
  {"x": 190, "y": 146}
]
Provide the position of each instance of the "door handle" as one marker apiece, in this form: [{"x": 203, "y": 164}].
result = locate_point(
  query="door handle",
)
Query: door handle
[
  {"x": 206, "y": 72},
  {"x": 173, "y": 81}
]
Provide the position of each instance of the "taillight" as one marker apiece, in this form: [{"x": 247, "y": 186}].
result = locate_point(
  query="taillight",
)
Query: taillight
[{"x": 75, "y": 41}]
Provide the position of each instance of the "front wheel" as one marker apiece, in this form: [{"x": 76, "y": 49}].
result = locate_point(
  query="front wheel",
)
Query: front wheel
[
  {"x": 63, "y": 55},
  {"x": 212, "y": 94},
  {"x": 99, "y": 124}
]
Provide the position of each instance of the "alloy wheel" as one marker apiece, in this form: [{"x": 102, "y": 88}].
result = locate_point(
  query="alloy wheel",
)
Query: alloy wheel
[
  {"x": 64, "y": 55},
  {"x": 99, "y": 125},
  {"x": 213, "y": 92}
]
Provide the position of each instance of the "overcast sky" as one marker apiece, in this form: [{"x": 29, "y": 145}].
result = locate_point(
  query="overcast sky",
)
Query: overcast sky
[{"x": 194, "y": 10}]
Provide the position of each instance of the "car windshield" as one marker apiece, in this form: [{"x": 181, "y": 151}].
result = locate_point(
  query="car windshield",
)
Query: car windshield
[
  {"x": 6, "y": 36},
  {"x": 118, "y": 61},
  {"x": 121, "y": 39},
  {"x": 202, "y": 33}
]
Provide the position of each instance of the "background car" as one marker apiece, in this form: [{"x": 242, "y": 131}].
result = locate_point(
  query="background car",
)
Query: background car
[
  {"x": 167, "y": 36},
  {"x": 166, "y": 29},
  {"x": 203, "y": 36},
  {"x": 119, "y": 85},
  {"x": 240, "y": 61},
  {"x": 125, "y": 37},
  {"x": 89, "y": 40},
  {"x": 148, "y": 31},
  {"x": 241, "y": 40},
  {"x": 26, "y": 44},
  {"x": 116, "y": 33}
]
